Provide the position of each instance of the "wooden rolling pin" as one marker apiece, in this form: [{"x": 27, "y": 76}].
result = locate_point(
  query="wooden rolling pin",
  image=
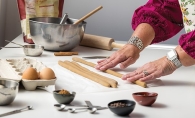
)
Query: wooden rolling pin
[
  {"x": 99, "y": 42},
  {"x": 138, "y": 82}
]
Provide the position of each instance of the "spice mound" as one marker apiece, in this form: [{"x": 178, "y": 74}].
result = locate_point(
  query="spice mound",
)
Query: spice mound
[
  {"x": 119, "y": 104},
  {"x": 63, "y": 92}
]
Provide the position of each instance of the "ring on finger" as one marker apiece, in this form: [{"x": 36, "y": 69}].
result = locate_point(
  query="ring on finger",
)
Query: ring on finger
[
  {"x": 145, "y": 73},
  {"x": 136, "y": 72},
  {"x": 107, "y": 60}
]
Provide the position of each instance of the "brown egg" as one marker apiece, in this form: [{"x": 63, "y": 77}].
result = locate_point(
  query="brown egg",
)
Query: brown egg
[
  {"x": 30, "y": 74},
  {"x": 47, "y": 74}
]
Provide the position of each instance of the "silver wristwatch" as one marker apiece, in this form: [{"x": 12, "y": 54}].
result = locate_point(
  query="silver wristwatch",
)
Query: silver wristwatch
[
  {"x": 136, "y": 42},
  {"x": 173, "y": 57}
]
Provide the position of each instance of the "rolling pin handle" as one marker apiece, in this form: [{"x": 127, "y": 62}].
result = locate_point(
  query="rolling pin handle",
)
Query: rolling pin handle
[{"x": 116, "y": 45}]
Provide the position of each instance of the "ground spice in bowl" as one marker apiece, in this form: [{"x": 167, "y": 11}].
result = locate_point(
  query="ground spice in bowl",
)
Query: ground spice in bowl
[{"x": 63, "y": 92}]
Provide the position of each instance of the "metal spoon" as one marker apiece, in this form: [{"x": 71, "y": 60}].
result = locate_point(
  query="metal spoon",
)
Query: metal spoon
[
  {"x": 91, "y": 110},
  {"x": 64, "y": 18},
  {"x": 59, "y": 107},
  {"x": 16, "y": 111},
  {"x": 14, "y": 43},
  {"x": 11, "y": 47}
]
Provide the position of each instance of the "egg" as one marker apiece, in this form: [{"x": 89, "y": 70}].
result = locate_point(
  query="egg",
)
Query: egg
[
  {"x": 47, "y": 74},
  {"x": 30, "y": 74}
]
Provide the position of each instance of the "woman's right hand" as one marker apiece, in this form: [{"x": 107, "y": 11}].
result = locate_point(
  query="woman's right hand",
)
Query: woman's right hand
[{"x": 126, "y": 56}]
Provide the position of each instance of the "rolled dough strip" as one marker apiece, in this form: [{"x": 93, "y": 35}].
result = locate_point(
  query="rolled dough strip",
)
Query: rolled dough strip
[
  {"x": 70, "y": 67},
  {"x": 65, "y": 53},
  {"x": 138, "y": 82},
  {"x": 112, "y": 82}
]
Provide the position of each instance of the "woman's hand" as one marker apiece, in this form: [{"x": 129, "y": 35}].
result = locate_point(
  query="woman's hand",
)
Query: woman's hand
[
  {"x": 129, "y": 53},
  {"x": 125, "y": 56},
  {"x": 151, "y": 70}
]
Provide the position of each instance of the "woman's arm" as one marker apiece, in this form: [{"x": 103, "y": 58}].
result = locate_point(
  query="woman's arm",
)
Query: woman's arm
[
  {"x": 164, "y": 16},
  {"x": 184, "y": 58},
  {"x": 154, "y": 22},
  {"x": 145, "y": 32},
  {"x": 187, "y": 43}
]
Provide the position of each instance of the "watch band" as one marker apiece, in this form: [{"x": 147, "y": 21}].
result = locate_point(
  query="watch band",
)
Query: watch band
[
  {"x": 136, "y": 42},
  {"x": 173, "y": 57}
]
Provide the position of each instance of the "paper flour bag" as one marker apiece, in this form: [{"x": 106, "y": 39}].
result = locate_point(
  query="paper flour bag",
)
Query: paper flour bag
[{"x": 37, "y": 8}]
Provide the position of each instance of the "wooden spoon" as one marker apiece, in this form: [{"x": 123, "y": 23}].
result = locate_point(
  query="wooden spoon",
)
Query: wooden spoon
[{"x": 88, "y": 15}]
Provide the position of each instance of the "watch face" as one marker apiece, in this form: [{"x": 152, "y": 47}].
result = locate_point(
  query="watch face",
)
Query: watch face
[{"x": 171, "y": 54}]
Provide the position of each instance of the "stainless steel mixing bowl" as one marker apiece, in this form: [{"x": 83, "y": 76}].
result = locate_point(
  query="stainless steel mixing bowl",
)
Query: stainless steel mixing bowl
[
  {"x": 8, "y": 91},
  {"x": 48, "y": 32}
]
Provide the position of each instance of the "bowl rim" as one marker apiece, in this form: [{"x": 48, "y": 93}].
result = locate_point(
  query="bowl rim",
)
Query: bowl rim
[
  {"x": 132, "y": 105},
  {"x": 71, "y": 92},
  {"x": 34, "y": 46},
  {"x": 17, "y": 83},
  {"x": 141, "y": 94},
  {"x": 40, "y": 22},
  {"x": 39, "y": 80}
]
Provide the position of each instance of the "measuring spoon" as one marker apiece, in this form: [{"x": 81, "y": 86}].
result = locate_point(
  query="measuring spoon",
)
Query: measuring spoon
[
  {"x": 91, "y": 110},
  {"x": 60, "y": 107},
  {"x": 16, "y": 111}
]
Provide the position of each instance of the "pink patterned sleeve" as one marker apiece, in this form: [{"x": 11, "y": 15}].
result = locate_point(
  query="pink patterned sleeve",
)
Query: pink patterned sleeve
[
  {"x": 187, "y": 42},
  {"x": 163, "y": 15}
]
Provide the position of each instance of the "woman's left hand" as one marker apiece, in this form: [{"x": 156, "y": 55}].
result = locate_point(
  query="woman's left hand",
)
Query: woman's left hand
[{"x": 151, "y": 70}]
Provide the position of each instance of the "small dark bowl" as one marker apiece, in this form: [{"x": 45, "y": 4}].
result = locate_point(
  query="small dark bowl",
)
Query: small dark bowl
[
  {"x": 63, "y": 98},
  {"x": 122, "y": 107},
  {"x": 145, "y": 98}
]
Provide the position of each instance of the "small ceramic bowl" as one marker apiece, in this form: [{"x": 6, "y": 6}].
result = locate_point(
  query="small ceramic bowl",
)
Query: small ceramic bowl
[
  {"x": 122, "y": 107},
  {"x": 63, "y": 98},
  {"x": 145, "y": 98}
]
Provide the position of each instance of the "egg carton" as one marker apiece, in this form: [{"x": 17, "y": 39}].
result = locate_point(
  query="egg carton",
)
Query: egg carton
[{"x": 13, "y": 69}]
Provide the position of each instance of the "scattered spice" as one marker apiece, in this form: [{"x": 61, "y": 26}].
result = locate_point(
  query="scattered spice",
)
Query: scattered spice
[{"x": 63, "y": 92}]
